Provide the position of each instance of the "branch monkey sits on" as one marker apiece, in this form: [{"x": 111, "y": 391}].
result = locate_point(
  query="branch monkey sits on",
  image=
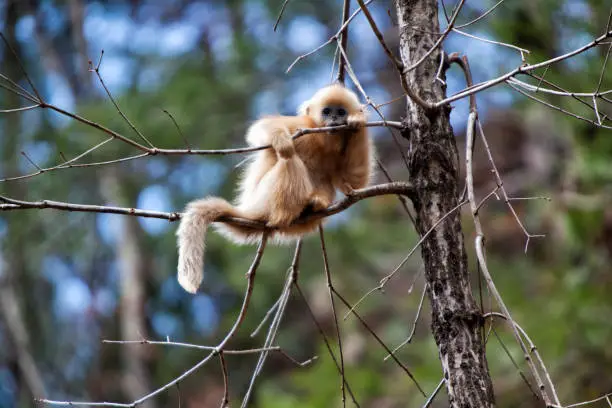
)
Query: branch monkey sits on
[{"x": 279, "y": 183}]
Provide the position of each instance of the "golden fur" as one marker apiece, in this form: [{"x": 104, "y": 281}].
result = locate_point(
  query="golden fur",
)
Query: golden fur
[{"x": 278, "y": 184}]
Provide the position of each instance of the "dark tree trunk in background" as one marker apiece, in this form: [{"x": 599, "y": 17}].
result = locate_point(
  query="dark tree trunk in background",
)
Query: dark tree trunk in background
[
  {"x": 13, "y": 282},
  {"x": 434, "y": 168},
  {"x": 136, "y": 379}
]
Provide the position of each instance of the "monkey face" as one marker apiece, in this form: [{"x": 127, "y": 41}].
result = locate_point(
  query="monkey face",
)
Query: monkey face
[{"x": 333, "y": 115}]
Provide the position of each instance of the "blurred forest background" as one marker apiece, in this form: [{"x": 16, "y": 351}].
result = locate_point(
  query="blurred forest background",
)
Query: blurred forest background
[{"x": 69, "y": 280}]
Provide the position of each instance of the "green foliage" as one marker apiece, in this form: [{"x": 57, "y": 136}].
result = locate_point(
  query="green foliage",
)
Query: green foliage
[{"x": 558, "y": 292}]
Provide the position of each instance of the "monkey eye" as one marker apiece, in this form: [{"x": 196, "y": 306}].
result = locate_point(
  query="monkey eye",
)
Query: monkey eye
[
  {"x": 341, "y": 112},
  {"x": 326, "y": 111}
]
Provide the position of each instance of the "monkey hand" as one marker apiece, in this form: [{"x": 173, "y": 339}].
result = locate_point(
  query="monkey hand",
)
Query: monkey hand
[
  {"x": 283, "y": 146},
  {"x": 356, "y": 121},
  {"x": 347, "y": 189},
  {"x": 318, "y": 203}
]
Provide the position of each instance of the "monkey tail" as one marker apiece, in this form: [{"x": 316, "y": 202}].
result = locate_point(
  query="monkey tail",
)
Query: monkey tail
[{"x": 191, "y": 238}]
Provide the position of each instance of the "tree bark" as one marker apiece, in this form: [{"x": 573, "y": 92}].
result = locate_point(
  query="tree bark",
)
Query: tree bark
[{"x": 434, "y": 165}]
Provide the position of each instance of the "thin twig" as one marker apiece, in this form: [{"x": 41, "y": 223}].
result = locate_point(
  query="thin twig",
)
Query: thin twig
[
  {"x": 434, "y": 393},
  {"x": 276, "y": 321},
  {"x": 24, "y": 154},
  {"x": 191, "y": 346},
  {"x": 480, "y": 251},
  {"x": 483, "y": 15},
  {"x": 514, "y": 363},
  {"x": 188, "y": 151},
  {"x": 330, "y": 288},
  {"x": 603, "y": 69},
  {"x": 225, "y": 400},
  {"x": 522, "y": 69},
  {"x": 397, "y": 64},
  {"x": 329, "y": 41},
  {"x": 370, "y": 102},
  {"x": 558, "y": 108},
  {"x": 280, "y": 14},
  {"x": 382, "y": 343},
  {"x": 96, "y": 70},
  {"x": 245, "y": 305},
  {"x": 21, "y": 67},
  {"x": 65, "y": 165},
  {"x": 178, "y": 128},
  {"x": 475, "y": 37},
  {"x": 325, "y": 339},
  {"x": 605, "y": 397},
  {"x": 539, "y": 89},
  {"x": 469, "y": 149},
  {"x": 23, "y": 109},
  {"x": 387, "y": 278},
  {"x": 18, "y": 90},
  {"x": 580, "y": 100},
  {"x": 439, "y": 40},
  {"x": 343, "y": 38},
  {"x": 414, "y": 324},
  {"x": 95, "y": 125},
  {"x": 400, "y": 197}
]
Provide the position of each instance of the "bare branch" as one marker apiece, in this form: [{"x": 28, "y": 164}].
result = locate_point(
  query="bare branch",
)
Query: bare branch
[
  {"x": 387, "y": 278},
  {"x": 189, "y": 151},
  {"x": 245, "y": 304},
  {"x": 225, "y": 399},
  {"x": 434, "y": 393},
  {"x": 330, "y": 40},
  {"x": 343, "y": 38},
  {"x": 23, "y": 71},
  {"x": 560, "y": 109},
  {"x": 397, "y": 64},
  {"x": 330, "y": 289},
  {"x": 522, "y": 69},
  {"x": 523, "y": 51},
  {"x": 395, "y": 188},
  {"x": 96, "y": 70},
  {"x": 480, "y": 252},
  {"x": 325, "y": 339},
  {"x": 483, "y": 15},
  {"x": 439, "y": 40},
  {"x": 280, "y": 307},
  {"x": 23, "y": 109},
  {"x": 382, "y": 343},
  {"x": 280, "y": 14},
  {"x": 414, "y": 324}
]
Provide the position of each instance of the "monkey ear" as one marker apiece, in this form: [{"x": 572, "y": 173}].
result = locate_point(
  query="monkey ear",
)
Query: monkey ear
[{"x": 304, "y": 109}]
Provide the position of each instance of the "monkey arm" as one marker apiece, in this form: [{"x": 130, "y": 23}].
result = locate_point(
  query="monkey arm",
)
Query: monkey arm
[
  {"x": 356, "y": 165},
  {"x": 275, "y": 131},
  {"x": 357, "y": 119},
  {"x": 262, "y": 132}
]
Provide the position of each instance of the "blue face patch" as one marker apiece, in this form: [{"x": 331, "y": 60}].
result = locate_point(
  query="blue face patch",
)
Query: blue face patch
[{"x": 333, "y": 115}]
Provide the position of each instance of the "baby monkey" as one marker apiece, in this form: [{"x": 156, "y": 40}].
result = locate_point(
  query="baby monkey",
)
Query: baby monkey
[{"x": 281, "y": 182}]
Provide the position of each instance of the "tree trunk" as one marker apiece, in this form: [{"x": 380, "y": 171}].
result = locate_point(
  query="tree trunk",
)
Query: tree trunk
[{"x": 434, "y": 165}]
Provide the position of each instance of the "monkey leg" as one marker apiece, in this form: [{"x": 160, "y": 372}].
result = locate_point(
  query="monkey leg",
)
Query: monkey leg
[
  {"x": 322, "y": 197},
  {"x": 282, "y": 144},
  {"x": 283, "y": 192}
]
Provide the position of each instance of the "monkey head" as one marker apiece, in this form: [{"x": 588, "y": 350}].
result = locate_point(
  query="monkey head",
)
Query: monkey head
[{"x": 331, "y": 106}]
